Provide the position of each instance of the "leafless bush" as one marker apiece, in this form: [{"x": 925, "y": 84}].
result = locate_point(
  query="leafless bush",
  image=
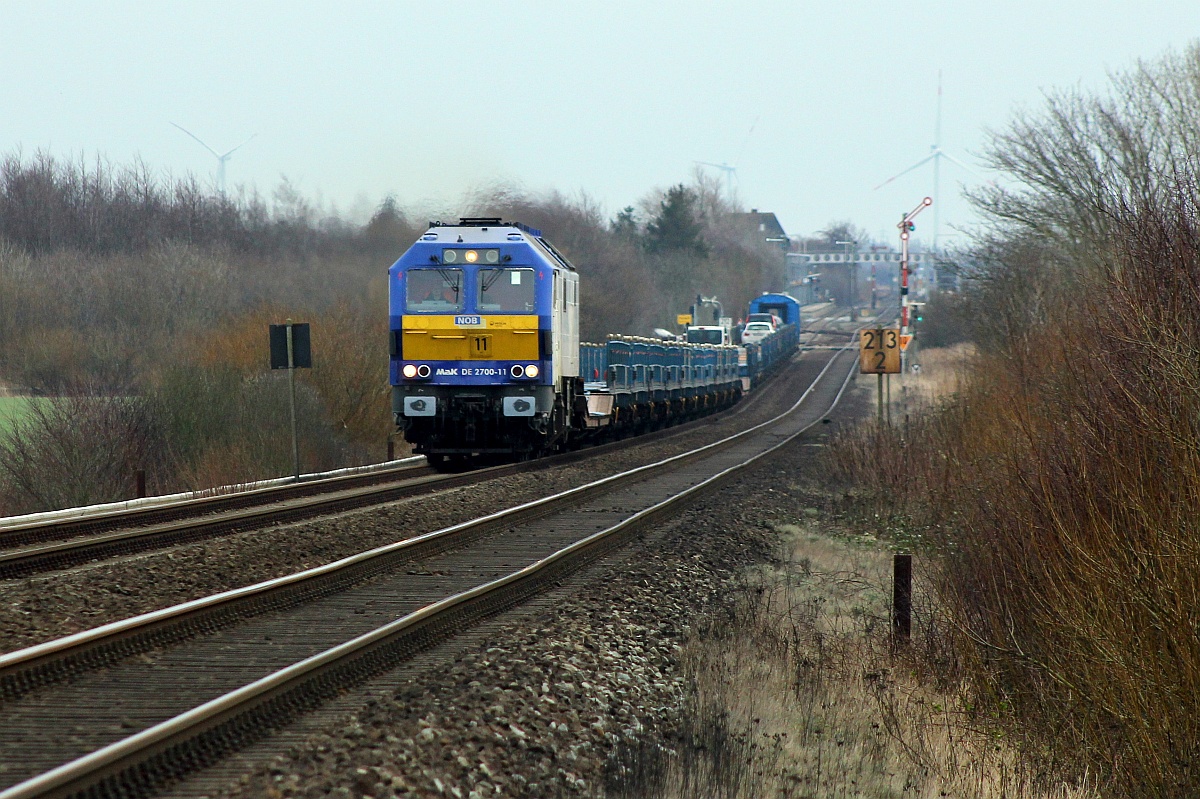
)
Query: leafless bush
[
  {"x": 223, "y": 427},
  {"x": 79, "y": 449},
  {"x": 1059, "y": 492}
]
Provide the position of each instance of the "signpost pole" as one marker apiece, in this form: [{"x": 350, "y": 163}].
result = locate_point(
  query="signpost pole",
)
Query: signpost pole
[
  {"x": 879, "y": 393},
  {"x": 889, "y": 395},
  {"x": 291, "y": 366}
]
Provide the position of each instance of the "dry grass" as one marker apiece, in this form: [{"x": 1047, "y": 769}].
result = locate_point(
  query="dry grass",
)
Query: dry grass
[
  {"x": 800, "y": 694},
  {"x": 944, "y": 373},
  {"x": 1055, "y": 498}
]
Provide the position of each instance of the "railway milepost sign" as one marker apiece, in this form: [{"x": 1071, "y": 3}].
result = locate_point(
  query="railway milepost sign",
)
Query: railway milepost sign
[{"x": 879, "y": 351}]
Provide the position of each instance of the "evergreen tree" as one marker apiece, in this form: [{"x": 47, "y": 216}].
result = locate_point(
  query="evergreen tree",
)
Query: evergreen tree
[
  {"x": 675, "y": 228},
  {"x": 625, "y": 225}
]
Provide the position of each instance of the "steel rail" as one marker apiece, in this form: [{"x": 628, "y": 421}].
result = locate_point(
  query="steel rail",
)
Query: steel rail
[
  {"x": 63, "y": 527},
  {"x": 65, "y": 543},
  {"x": 126, "y": 766},
  {"x": 45, "y": 557},
  {"x": 33, "y": 667}
]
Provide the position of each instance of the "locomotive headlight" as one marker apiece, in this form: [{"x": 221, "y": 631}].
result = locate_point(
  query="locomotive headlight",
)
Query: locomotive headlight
[
  {"x": 409, "y": 370},
  {"x": 517, "y": 370},
  {"x": 472, "y": 256},
  {"x": 531, "y": 370},
  {"x": 423, "y": 370}
]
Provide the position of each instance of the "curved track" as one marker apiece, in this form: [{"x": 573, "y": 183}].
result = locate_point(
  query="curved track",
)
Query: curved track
[
  {"x": 266, "y": 663},
  {"x": 38, "y": 547}
]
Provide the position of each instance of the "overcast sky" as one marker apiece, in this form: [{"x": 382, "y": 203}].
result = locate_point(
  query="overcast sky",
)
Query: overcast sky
[{"x": 814, "y": 103}]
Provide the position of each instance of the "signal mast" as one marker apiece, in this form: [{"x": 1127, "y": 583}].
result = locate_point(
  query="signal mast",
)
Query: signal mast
[{"x": 906, "y": 227}]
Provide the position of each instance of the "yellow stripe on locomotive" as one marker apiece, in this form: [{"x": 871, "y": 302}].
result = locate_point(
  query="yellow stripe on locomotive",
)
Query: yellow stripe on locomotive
[{"x": 498, "y": 338}]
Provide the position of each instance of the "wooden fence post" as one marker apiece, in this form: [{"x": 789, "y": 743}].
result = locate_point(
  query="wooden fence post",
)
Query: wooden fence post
[{"x": 901, "y": 598}]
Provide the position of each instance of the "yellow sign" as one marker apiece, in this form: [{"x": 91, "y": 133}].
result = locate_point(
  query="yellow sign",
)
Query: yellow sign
[
  {"x": 904, "y": 341},
  {"x": 879, "y": 351},
  {"x": 683, "y": 319}
]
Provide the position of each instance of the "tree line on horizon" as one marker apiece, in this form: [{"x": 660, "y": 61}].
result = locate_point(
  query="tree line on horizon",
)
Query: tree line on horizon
[{"x": 138, "y": 307}]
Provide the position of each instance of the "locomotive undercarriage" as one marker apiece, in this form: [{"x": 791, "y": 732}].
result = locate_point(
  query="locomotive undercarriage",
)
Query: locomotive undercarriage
[
  {"x": 470, "y": 428},
  {"x": 489, "y": 423}
]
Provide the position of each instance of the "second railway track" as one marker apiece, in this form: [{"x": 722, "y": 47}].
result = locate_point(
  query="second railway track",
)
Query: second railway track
[
  {"x": 33, "y": 548},
  {"x": 262, "y": 647}
]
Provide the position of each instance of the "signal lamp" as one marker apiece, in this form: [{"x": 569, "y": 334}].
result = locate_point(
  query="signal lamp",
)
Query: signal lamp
[
  {"x": 410, "y": 370},
  {"x": 423, "y": 370},
  {"x": 531, "y": 370},
  {"x": 517, "y": 370}
]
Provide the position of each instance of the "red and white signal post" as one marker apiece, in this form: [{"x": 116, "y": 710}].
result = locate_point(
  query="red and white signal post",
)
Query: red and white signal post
[{"x": 906, "y": 226}]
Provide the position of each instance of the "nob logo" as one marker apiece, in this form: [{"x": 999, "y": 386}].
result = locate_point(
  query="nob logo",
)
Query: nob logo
[{"x": 468, "y": 321}]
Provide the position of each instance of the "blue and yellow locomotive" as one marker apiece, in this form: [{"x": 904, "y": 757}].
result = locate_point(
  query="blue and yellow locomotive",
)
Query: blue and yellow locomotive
[
  {"x": 486, "y": 354},
  {"x": 484, "y": 342}
]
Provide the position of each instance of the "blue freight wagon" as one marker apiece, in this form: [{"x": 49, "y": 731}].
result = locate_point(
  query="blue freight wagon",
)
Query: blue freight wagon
[{"x": 785, "y": 306}]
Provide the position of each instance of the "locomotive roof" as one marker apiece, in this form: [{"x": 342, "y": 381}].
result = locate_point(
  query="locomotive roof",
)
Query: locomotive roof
[{"x": 480, "y": 231}]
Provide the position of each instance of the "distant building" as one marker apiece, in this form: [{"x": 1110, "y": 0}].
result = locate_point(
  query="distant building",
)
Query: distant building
[{"x": 767, "y": 225}]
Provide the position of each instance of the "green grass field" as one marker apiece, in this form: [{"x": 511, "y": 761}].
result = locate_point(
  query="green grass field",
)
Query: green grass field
[{"x": 13, "y": 408}]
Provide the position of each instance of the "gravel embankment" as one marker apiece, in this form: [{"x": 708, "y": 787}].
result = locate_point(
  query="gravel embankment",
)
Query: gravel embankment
[
  {"x": 540, "y": 708},
  {"x": 41, "y": 608}
]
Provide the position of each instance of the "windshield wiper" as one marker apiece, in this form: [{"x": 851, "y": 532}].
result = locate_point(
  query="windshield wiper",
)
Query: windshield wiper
[
  {"x": 489, "y": 281},
  {"x": 450, "y": 278}
]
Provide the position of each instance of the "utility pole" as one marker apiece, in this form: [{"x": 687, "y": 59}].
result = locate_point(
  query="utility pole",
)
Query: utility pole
[
  {"x": 873, "y": 287},
  {"x": 852, "y": 274}
]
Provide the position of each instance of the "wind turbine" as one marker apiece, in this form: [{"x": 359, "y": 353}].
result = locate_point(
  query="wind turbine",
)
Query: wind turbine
[
  {"x": 731, "y": 171},
  {"x": 936, "y": 154},
  {"x": 222, "y": 158},
  {"x": 730, "y": 174}
]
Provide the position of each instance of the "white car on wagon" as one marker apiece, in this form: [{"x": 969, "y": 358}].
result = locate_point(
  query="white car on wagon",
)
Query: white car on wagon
[{"x": 754, "y": 332}]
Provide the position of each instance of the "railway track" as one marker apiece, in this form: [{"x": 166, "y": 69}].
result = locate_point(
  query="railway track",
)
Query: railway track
[
  {"x": 32, "y": 547},
  {"x": 65, "y": 525},
  {"x": 37, "y": 547},
  {"x": 249, "y": 660}
]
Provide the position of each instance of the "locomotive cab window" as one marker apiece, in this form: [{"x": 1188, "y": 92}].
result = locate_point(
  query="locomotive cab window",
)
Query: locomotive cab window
[
  {"x": 507, "y": 291},
  {"x": 434, "y": 290}
]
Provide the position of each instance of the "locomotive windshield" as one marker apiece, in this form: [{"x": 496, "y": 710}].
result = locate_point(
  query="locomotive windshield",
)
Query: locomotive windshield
[
  {"x": 506, "y": 290},
  {"x": 434, "y": 290}
]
